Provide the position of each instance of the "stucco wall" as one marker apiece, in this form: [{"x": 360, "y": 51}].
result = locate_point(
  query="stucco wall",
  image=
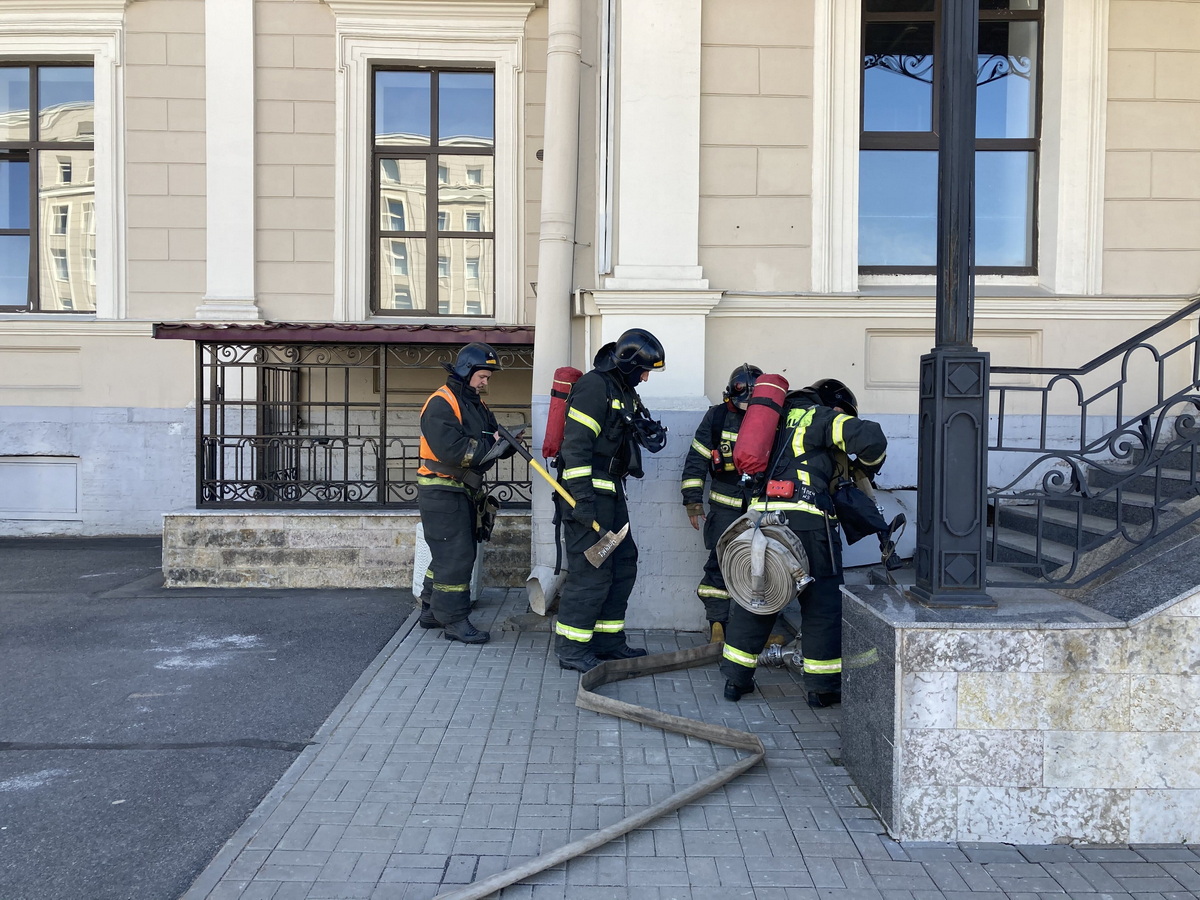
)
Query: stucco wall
[
  {"x": 755, "y": 144},
  {"x": 1152, "y": 185},
  {"x": 164, "y": 157}
]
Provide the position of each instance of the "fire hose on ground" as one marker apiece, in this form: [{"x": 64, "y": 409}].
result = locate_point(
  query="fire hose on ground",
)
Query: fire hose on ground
[
  {"x": 764, "y": 566},
  {"x": 586, "y": 698}
]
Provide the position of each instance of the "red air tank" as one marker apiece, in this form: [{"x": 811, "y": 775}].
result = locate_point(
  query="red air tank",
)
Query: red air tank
[
  {"x": 564, "y": 378},
  {"x": 756, "y": 437}
]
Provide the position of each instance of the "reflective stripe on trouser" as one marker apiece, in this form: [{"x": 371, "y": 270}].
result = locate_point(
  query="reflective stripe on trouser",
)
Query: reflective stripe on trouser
[
  {"x": 448, "y": 520},
  {"x": 593, "y": 601},
  {"x": 712, "y": 592},
  {"x": 820, "y": 633}
]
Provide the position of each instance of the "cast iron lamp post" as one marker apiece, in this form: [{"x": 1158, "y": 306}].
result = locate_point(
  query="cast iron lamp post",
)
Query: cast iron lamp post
[{"x": 951, "y": 564}]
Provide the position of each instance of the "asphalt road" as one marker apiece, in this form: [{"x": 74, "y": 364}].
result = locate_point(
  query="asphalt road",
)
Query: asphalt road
[{"x": 139, "y": 726}]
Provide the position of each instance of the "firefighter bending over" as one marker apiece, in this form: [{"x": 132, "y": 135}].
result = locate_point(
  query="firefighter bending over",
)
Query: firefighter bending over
[
  {"x": 457, "y": 431},
  {"x": 605, "y": 428},
  {"x": 811, "y": 437},
  {"x": 711, "y": 455}
]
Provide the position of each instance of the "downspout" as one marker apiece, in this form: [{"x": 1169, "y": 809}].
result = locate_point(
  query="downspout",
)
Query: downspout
[{"x": 556, "y": 259}]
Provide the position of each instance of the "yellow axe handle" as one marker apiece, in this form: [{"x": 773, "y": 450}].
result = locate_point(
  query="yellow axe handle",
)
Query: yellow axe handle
[{"x": 537, "y": 467}]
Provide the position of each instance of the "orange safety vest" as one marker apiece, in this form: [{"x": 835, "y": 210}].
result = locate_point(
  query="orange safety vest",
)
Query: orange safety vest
[{"x": 426, "y": 451}]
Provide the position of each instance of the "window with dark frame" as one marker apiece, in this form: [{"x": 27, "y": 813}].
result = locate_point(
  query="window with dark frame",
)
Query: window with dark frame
[
  {"x": 898, "y": 142},
  {"x": 47, "y": 188},
  {"x": 433, "y": 191}
]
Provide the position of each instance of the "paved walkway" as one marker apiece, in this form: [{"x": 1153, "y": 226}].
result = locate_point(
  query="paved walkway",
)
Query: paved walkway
[{"x": 447, "y": 763}]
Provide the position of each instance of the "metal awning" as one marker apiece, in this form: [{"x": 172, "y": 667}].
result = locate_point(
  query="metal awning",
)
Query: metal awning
[{"x": 341, "y": 333}]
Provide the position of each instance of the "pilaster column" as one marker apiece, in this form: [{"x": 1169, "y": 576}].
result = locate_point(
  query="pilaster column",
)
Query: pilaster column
[
  {"x": 229, "y": 161},
  {"x": 657, "y": 196}
]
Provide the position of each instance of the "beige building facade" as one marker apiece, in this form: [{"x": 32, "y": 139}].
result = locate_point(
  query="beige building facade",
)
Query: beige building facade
[{"x": 724, "y": 173}]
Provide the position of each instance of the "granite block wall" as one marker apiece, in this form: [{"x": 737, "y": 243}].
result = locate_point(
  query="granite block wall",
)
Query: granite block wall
[
  {"x": 318, "y": 549},
  {"x": 1050, "y": 730}
]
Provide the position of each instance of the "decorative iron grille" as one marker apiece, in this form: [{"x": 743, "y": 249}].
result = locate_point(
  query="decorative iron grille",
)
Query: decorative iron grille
[
  {"x": 1094, "y": 464},
  {"x": 327, "y": 426}
]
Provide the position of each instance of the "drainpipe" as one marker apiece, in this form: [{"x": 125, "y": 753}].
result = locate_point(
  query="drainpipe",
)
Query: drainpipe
[{"x": 556, "y": 258}]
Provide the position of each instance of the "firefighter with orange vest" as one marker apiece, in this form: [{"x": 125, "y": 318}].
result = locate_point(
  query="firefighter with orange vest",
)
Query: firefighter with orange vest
[
  {"x": 457, "y": 433},
  {"x": 606, "y": 428},
  {"x": 711, "y": 456},
  {"x": 820, "y": 426}
]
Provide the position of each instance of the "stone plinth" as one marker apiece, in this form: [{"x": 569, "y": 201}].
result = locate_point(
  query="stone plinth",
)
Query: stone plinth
[
  {"x": 1043, "y": 721},
  {"x": 318, "y": 549}
]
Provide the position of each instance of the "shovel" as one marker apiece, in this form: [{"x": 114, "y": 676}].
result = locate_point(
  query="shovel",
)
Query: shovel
[{"x": 598, "y": 552}]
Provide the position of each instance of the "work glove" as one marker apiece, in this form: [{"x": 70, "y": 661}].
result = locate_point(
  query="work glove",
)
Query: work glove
[
  {"x": 584, "y": 512},
  {"x": 695, "y": 513}
]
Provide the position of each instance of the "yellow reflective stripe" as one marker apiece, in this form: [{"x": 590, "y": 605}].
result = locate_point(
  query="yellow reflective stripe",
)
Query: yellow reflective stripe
[
  {"x": 572, "y": 634},
  {"x": 839, "y": 423},
  {"x": 617, "y": 404},
  {"x": 764, "y": 505},
  {"x": 705, "y": 591},
  {"x": 578, "y": 472},
  {"x": 693, "y": 483},
  {"x": 429, "y": 573},
  {"x": 440, "y": 482},
  {"x": 701, "y": 449},
  {"x": 729, "y": 435},
  {"x": 448, "y": 588},
  {"x": 584, "y": 419},
  {"x": 797, "y": 416},
  {"x": 823, "y": 666},
  {"x": 602, "y": 484},
  {"x": 872, "y": 462},
  {"x": 611, "y": 626},
  {"x": 734, "y": 655},
  {"x": 724, "y": 499}
]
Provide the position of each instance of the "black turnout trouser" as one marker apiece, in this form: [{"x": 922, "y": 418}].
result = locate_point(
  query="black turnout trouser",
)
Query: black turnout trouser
[
  {"x": 821, "y": 618},
  {"x": 712, "y": 591},
  {"x": 591, "y": 610},
  {"x": 448, "y": 519}
]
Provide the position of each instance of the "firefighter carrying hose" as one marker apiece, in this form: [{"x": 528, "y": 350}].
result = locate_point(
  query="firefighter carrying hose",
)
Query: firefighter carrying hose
[
  {"x": 811, "y": 438},
  {"x": 457, "y": 433},
  {"x": 711, "y": 454},
  {"x": 606, "y": 427}
]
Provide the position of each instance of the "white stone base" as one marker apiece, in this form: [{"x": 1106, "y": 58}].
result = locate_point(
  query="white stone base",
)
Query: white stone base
[{"x": 1045, "y": 728}]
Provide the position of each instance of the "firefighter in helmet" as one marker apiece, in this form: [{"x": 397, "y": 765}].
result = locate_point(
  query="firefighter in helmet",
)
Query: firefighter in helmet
[
  {"x": 457, "y": 433},
  {"x": 605, "y": 430},
  {"x": 812, "y": 439},
  {"x": 711, "y": 456}
]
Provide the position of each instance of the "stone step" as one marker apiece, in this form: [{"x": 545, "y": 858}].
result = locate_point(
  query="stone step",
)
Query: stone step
[
  {"x": 1065, "y": 518},
  {"x": 1028, "y": 545}
]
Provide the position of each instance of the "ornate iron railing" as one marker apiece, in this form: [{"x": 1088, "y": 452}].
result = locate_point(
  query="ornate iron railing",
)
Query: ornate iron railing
[
  {"x": 326, "y": 426},
  {"x": 1090, "y": 466}
]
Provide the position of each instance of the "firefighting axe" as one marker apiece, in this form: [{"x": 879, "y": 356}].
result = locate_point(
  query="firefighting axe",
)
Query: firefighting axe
[{"x": 598, "y": 552}]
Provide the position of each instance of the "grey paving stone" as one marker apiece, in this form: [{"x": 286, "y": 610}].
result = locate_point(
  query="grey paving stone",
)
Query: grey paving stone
[
  {"x": 1108, "y": 854},
  {"x": 1187, "y": 874},
  {"x": 945, "y": 876},
  {"x": 991, "y": 853},
  {"x": 1172, "y": 853},
  {"x": 1096, "y": 875}
]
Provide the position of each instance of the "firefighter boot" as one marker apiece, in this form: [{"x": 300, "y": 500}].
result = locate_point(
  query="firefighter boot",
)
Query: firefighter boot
[
  {"x": 426, "y": 619},
  {"x": 464, "y": 631},
  {"x": 823, "y": 699},
  {"x": 735, "y": 692},
  {"x": 614, "y": 646},
  {"x": 577, "y": 655}
]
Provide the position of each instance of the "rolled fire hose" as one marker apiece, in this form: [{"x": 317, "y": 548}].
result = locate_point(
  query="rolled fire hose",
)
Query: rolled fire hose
[
  {"x": 763, "y": 562},
  {"x": 586, "y": 698}
]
